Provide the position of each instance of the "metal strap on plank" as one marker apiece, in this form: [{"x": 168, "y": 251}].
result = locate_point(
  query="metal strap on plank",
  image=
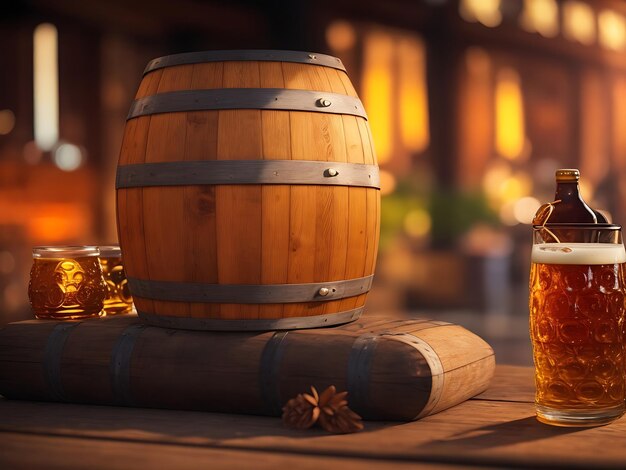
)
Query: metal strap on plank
[
  {"x": 52, "y": 357},
  {"x": 121, "y": 356},
  {"x": 220, "y": 172},
  {"x": 271, "y": 360},
  {"x": 297, "y": 57},
  {"x": 261, "y": 324},
  {"x": 247, "y": 98}
]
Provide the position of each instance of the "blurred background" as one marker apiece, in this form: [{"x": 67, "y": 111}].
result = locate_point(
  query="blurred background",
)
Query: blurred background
[{"x": 472, "y": 103}]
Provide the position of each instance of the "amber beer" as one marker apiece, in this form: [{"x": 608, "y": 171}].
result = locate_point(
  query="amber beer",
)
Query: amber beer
[
  {"x": 577, "y": 313},
  {"x": 118, "y": 299},
  {"x": 66, "y": 282}
]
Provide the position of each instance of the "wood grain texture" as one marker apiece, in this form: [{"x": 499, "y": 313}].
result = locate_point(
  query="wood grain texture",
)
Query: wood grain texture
[
  {"x": 481, "y": 433},
  {"x": 79, "y": 453},
  {"x": 199, "y": 202},
  {"x": 165, "y": 242},
  {"x": 276, "y": 199},
  {"x": 249, "y": 234}
]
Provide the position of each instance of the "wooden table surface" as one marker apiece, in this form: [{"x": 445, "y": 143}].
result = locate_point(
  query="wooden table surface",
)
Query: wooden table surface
[{"x": 497, "y": 428}]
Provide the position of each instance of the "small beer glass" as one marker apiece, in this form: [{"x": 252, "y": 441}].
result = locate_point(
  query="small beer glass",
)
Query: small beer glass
[
  {"x": 118, "y": 299},
  {"x": 66, "y": 282},
  {"x": 577, "y": 298}
]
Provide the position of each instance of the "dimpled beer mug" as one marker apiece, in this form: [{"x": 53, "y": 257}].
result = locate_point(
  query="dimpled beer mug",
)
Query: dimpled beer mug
[
  {"x": 118, "y": 299},
  {"x": 66, "y": 282},
  {"x": 577, "y": 298}
]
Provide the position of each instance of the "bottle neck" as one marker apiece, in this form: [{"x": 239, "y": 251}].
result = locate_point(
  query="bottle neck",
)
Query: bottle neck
[{"x": 567, "y": 192}]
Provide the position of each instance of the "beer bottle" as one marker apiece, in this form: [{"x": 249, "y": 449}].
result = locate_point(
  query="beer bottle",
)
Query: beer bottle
[{"x": 569, "y": 206}]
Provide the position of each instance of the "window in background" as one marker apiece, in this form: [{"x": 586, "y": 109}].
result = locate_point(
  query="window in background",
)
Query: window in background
[
  {"x": 612, "y": 30},
  {"x": 46, "y": 86},
  {"x": 579, "y": 22},
  {"x": 486, "y": 12},
  {"x": 540, "y": 16},
  {"x": 393, "y": 87}
]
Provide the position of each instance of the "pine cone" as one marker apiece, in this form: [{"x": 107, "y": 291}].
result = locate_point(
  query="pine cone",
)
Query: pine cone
[
  {"x": 335, "y": 416},
  {"x": 301, "y": 412}
]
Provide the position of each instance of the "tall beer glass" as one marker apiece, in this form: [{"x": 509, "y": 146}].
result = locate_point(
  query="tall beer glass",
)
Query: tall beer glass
[{"x": 577, "y": 304}]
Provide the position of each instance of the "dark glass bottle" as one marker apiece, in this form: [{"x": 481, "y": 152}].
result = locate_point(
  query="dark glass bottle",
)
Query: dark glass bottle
[{"x": 569, "y": 206}]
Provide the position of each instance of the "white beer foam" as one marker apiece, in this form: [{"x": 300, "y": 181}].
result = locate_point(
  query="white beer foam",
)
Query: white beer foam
[{"x": 578, "y": 253}]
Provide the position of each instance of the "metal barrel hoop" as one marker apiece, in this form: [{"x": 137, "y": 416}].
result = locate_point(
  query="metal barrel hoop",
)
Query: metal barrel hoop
[
  {"x": 247, "y": 98},
  {"x": 220, "y": 172},
  {"x": 260, "y": 55}
]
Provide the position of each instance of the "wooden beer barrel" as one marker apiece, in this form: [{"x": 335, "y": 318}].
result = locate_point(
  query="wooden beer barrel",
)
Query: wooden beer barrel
[
  {"x": 248, "y": 192},
  {"x": 392, "y": 369}
]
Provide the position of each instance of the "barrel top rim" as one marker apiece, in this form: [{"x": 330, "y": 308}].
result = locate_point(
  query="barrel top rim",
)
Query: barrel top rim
[{"x": 236, "y": 55}]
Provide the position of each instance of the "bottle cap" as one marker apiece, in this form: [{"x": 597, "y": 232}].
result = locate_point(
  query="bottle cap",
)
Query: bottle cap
[{"x": 567, "y": 175}]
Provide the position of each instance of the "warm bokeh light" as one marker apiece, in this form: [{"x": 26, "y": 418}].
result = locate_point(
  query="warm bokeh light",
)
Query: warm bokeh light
[
  {"x": 503, "y": 187},
  {"x": 340, "y": 36},
  {"x": 493, "y": 178},
  {"x": 413, "y": 94},
  {"x": 579, "y": 22},
  {"x": 417, "y": 223},
  {"x": 524, "y": 209},
  {"x": 507, "y": 214},
  {"x": 515, "y": 187},
  {"x": 387, "y": 182},
  {"x": 377, "y": 90},
  {"x": 612, "y": 30},
  {"x": 486, "y": 12},
  {"x": 586, "y": 190},
  {"x": 540, "y": 16},
  {"x": 510, "y": 128},
  {"x": 46, "y": 86},
  {"x": 519, "y": 211},
  {"x": 7, "y": 121},
  {"x": 68, "y": 157}
]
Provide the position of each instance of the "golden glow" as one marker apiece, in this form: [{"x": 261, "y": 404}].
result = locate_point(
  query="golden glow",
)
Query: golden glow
[
  {"x": 586, "y": 190},
  {"x": 510, "y": 130},
  {"x": 612, "y": 30},
  {"x": 377, "y": 92},
  {"x": 7, "y": 121},
  {"x": 515, "y": 187},
  {"x": 540, "y": 16},
  {"x": 486, "y": 12},
  {"x": 494, "y": 176},
  {"x": 417, "y": 223},
  {"x": 46, "y": 86},
  {"x": 413, "y": 94},
  {"x": 387, "y": 182},
  {"x": 579, "y": 22},
  {"x": 524, "y": 209},
  {"x": 340, "y": 36}
]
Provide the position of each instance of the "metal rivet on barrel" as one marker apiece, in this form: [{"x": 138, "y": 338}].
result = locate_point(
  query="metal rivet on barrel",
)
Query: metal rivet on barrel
[
  {"x": 324, "y": 102},
  {"x": 332, "y": 172},
  {"x": 312, "y": 56},
  {"x": 324, "y": 291}
]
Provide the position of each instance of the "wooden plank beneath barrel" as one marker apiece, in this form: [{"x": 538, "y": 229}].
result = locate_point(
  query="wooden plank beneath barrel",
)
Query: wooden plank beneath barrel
[
  {"x": 199, "y": 201},
  {"x": 163, "y": 207},
  {"x": 276, "y": 199},
  {"x": 239, "y": 215},
  {"x": 482, "y": 432}
]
